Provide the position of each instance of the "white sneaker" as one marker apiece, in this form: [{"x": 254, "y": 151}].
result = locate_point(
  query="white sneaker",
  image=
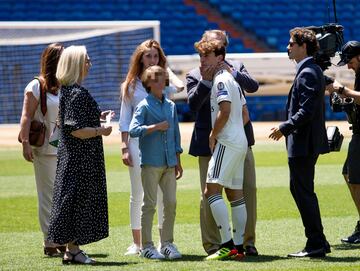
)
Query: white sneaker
[
  {"x": 170, "y": 251},
  {"x": 134, "y": 249},
  {"x": 151, "y": 253}
]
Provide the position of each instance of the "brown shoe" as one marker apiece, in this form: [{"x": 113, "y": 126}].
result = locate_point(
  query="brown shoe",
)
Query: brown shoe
[
  {"x": 62, "y": 249},
  {"x": 251, "y": 251},
  {"x": 51, "y": 251}
]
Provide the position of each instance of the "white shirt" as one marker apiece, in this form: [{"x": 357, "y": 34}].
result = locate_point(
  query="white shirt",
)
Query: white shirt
[
  {"x": 52, "y": 104},
  {"x": 128, "y": 105},
  {"x": 225, "y": 88}
]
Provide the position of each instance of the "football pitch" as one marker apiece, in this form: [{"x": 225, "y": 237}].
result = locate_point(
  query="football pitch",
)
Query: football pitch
[{"x": 279, "y": 227}]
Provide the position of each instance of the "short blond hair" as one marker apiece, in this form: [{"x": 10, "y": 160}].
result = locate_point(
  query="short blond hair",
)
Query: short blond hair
[
  {"x": 150, "y": 74},
  {"x": 70, "y": 69},
  {"x": 220, "y": 35}
]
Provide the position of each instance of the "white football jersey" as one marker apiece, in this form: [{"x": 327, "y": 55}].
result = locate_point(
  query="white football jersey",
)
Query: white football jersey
[{"x": 225, "y": 88}]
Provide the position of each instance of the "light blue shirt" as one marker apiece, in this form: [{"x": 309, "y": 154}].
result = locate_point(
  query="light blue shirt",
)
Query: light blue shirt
[
  {"x": 128, "y": 106},
  {"x": 158, "y": 148}
]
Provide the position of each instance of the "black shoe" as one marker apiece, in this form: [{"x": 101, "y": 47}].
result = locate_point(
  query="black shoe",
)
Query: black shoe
[
  {"x": 308, "y": 252},
  {"x": 240, "y": 248},
  {"x": 251, "y": 251},
  {"x": 327, "y": 247},
  {"x": 354, "y": 238}
]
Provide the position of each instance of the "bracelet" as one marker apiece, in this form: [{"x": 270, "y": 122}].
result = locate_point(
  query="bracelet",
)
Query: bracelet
[{"x": 341, "y": 90}]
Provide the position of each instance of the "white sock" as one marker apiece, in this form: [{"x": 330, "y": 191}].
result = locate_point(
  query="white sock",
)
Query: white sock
[
  {"x": 239, "y": 216},
  {"x": 221, "y": 216}
]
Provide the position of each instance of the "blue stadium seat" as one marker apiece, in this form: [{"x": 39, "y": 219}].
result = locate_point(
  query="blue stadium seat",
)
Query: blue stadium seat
[{"x": 256, "y": 15}]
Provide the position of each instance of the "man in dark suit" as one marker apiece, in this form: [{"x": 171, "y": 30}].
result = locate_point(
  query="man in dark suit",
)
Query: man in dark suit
[
  {"x": 199, "y": 83},
  {"x": 350, "y": 56},
  {"x": 306, "y": 137}
]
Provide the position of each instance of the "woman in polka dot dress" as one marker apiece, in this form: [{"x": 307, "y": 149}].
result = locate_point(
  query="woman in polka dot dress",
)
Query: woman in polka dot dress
[{"x": 79, "y": 214}]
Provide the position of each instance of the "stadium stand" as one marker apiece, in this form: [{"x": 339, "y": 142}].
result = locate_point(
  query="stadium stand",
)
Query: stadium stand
[
  {"x": 270, "y": 20},
  {"x": 181, "y": 23},
  {"x": 254, "y": 26}
]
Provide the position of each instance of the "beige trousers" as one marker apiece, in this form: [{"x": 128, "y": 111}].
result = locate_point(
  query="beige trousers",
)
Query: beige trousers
[
  {"x": 151, "y": 178},
  {"x": 209, "y": 232},
  {"x": 45, "y": 171},
  {"x": 249, "y": 189}
]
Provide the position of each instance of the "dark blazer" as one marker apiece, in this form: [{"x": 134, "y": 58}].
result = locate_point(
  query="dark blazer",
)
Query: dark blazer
[
  {"x": 305, "y": 126},
  {"x": 199, "y": 102}
]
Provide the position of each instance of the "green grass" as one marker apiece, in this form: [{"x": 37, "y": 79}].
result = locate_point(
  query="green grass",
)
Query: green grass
[{"x": 279, "y": 227}]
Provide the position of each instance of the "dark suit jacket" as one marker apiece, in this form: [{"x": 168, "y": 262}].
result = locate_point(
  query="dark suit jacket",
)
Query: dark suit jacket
[
  {"x": 199, "y": 102},
  {"x": 305, "y": 126}
]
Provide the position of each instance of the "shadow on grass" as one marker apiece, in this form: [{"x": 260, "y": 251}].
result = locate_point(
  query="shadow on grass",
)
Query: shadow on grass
[
  {"x": 339, "y": 259},
  {"x": 344, "y": 247},
  {"x": 191, "y": 258},
  {"x": 112, "y": 264},
  {"x": 260, "y": 258},
  {"x": 328, "y": 258},
  {"x": 265, "y": 258},
  {"x": 99, "y": 255}
]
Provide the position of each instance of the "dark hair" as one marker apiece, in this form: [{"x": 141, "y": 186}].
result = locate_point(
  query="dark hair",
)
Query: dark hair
[
  {"x": 49, "y": 61},
  {"x": 302, "y": 35}
]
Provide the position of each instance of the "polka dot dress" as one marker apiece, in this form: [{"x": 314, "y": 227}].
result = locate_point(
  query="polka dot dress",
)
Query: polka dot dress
[{"x": 79, "y": 212}]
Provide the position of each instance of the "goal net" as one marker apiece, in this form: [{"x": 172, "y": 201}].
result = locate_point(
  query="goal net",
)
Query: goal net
[{"x": 109, "y": 44}]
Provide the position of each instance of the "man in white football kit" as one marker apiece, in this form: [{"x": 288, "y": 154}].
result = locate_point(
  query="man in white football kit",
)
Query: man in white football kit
[
  {"x": 229, "y": 145},
  {"x": 226, "y": 166}
]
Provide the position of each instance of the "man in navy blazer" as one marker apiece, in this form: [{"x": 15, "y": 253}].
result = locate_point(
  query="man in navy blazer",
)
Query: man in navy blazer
[
  {"x": 306, "y": 137},
  {"x": 199, "y": 83}
]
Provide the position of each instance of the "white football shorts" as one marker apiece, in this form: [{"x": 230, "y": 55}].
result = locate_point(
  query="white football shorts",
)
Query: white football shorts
[{"x": 226, "y": 167}]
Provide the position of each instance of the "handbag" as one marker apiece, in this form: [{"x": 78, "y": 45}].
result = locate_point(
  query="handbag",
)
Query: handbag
[{"x": 38, "y": 128}]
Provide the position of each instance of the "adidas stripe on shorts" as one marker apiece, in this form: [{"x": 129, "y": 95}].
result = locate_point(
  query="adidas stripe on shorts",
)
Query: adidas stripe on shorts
[{"x": 226, "y": 167}]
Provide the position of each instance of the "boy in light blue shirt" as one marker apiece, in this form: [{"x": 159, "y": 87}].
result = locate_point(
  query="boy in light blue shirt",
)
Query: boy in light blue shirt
[{"x": 156, "y": 124}]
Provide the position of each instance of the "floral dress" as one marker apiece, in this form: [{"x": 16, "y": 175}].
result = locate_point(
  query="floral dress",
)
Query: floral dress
[{"x": 79, "y": 211}]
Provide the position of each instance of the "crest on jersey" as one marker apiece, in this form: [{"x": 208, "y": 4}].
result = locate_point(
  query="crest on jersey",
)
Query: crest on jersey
[{"x": 220, "y": 86}]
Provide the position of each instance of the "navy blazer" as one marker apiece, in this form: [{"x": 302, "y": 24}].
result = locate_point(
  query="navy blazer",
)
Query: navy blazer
[
  {"x": 199, "y": 102},
  {"x": 305, "y": 126}
]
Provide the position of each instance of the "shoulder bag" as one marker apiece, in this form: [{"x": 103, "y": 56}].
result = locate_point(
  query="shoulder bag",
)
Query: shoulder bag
[{"x": 38, "y": 128}]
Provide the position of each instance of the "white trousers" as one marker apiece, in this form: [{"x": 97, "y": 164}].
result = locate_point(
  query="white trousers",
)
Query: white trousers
[
  {"x": 137, "y": 192},
  {"x": 45, "y": 171}
]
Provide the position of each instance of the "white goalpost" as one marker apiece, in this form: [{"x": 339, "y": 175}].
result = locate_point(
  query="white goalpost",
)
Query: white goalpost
[{"x": 110, "y": 45}]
